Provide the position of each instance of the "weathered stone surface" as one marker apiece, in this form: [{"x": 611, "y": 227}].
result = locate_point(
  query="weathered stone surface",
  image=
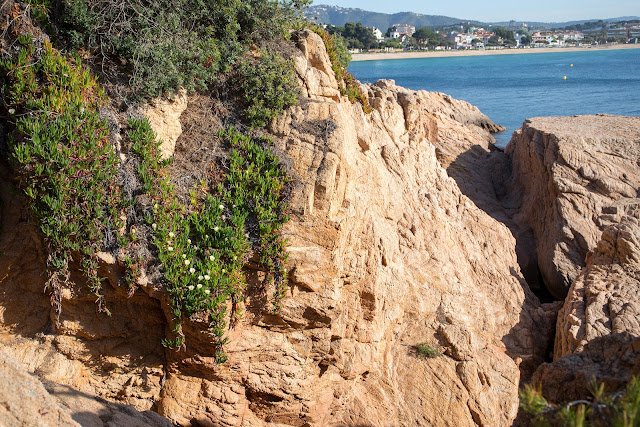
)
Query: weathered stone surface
[
  {"x": 566, "y": 172},
  {"x": 598, "y": 332},
  {"x": 164, "y": 117},
  {"x": 315, "y": 76},
  {"x": 24, "y": 400}
]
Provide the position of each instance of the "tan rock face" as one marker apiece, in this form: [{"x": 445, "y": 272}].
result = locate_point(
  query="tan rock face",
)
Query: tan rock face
[
  {"x": 598, "y": 327},
  {"x": 164, "y": 117},
  {"x": 385, "y": 253},
  {"x": 25, "y": 401},
  {"x": 566, "y": 172}
]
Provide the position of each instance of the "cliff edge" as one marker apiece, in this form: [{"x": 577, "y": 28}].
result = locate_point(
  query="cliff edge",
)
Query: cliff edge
[{"x": 385, "y": 253}]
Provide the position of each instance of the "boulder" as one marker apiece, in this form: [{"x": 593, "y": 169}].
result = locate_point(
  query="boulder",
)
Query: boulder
[
  {"x": 598, "y": 330},
  {"x": 566, "y": 172}
]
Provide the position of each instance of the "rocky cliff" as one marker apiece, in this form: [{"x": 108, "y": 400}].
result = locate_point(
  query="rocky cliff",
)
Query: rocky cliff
[
  {"x": 567, "y": 171},
  {"x": 401, "y": 233},
  {"x": 386, "y": 252},
  {"x": 576, "y": 180}
]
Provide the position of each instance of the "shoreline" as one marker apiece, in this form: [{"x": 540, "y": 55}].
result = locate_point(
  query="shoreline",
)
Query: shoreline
[{"x": 459, "y": 53}]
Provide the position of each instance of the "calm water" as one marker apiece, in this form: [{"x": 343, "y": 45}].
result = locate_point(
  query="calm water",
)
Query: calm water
[{"x": 511, "y": 88}]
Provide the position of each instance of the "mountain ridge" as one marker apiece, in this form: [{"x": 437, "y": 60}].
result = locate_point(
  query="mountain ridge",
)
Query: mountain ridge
[{"x": 337, "y": 15}]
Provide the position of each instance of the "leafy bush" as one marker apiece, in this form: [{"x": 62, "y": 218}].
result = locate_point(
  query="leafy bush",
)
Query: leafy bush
[
  {"x": 424, "y": 350},
  {"x": 171, "y": 44},
  {"x": 268, "y": 87},
  {"x": 65, "y": 163}
]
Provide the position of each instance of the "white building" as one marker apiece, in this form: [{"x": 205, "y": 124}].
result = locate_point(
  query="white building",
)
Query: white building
[
  {"x": 378, "y": 34},
  {"x": 401, "y": 29}
]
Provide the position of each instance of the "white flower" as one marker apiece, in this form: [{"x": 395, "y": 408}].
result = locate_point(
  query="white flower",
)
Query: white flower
[
  {"x": 207, "y": 291},
  {"x": 206, "y": 277},
  {"x": 187, "y": 262},
  {"x": 170, "y": 248},
  {"x": 211, "y": 258},
  {"x": 216, "y": 228},
  {"x": 154, "y": 225},
  {"x": 183, "y": 256},
  {"x": 224, "y": 271},
  {"x": 190, "y": 287},
  {"x": 200, "y": 277},
  {"x": 12, "y": 110},
  {"x": 171, "y": 234},
  {"x": 192, "y": 270},
  {"x": 199, "y": 286},
  {"x": 221, "y": 207},
  {"x": 188, "y": 241}
]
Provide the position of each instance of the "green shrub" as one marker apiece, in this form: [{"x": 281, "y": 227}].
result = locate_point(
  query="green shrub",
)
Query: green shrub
[
  {"x": 268, "y": 87},
  {"x": 65, "y": 163},
  {"x": 171, "y": 44},
  {"x": 425, "y": 350}
]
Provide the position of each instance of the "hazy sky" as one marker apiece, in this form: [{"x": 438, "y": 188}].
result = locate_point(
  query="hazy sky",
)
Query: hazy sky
[{"x": 502, "y": 10}]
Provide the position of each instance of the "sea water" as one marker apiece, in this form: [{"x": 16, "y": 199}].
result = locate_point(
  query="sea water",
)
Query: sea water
[{"x": 512, "y": 88}]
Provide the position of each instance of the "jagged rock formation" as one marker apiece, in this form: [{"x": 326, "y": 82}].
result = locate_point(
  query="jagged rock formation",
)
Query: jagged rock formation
[
  {"x": 598, "y": 327},
  {"x": 575, "y": 182},
  {"x": 566, "y": 172},
  {"x": 386, "y": 252}
]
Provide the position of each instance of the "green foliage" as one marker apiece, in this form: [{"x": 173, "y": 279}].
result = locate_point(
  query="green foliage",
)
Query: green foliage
[
  {"x": 64, "y": 161},
  {"x": 349, "y": 86},
  {"x": 256, "y": 185},
  {"x": 203, "y": 246},
  {"x": 426, "y": 36},
  {"x": 533, "y": 402},
  {"x": 171, "y": 44},
  {"x": 504, "y": 34},
  {"x": 427, "y": 351},
  {"x": 356, "y": 36},
  {"x": 618, "y": 409},
  {"x": 268, "y": 87}
]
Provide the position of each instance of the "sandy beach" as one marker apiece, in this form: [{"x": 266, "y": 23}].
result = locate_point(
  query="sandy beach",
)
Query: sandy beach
[{"x": 452, "y": 53}]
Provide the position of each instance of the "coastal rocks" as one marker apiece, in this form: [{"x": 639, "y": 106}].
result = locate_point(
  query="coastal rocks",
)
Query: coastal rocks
[
  {"x": 567, "y": 171},
  {"x": 24, "y": 400},
  {"x": 385, "y": 253},
  {"x": 317, "y": 80},
  {"x": 598, "y": 328}
]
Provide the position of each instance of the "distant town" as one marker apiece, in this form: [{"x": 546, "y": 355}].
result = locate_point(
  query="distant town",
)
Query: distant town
[{"x": 405, "y": 37}]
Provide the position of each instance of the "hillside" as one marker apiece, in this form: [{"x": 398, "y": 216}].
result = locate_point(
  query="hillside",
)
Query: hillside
[{"x": 336, "y": 15}]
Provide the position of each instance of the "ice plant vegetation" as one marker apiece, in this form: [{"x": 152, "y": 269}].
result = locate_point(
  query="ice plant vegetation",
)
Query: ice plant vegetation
[
  {"x": 65, "y": 164},
  {"x": 203, "y": 246}
]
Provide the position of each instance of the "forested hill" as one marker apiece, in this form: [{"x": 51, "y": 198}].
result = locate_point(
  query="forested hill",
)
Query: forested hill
[{"x": 336, "y": 15}]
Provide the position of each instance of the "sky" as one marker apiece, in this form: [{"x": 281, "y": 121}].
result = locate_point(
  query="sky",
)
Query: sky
[{"x": 502, "y": 10}]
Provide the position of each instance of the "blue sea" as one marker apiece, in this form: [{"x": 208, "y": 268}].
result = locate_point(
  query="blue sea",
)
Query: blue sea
[{"x": 512, "y": 88}]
